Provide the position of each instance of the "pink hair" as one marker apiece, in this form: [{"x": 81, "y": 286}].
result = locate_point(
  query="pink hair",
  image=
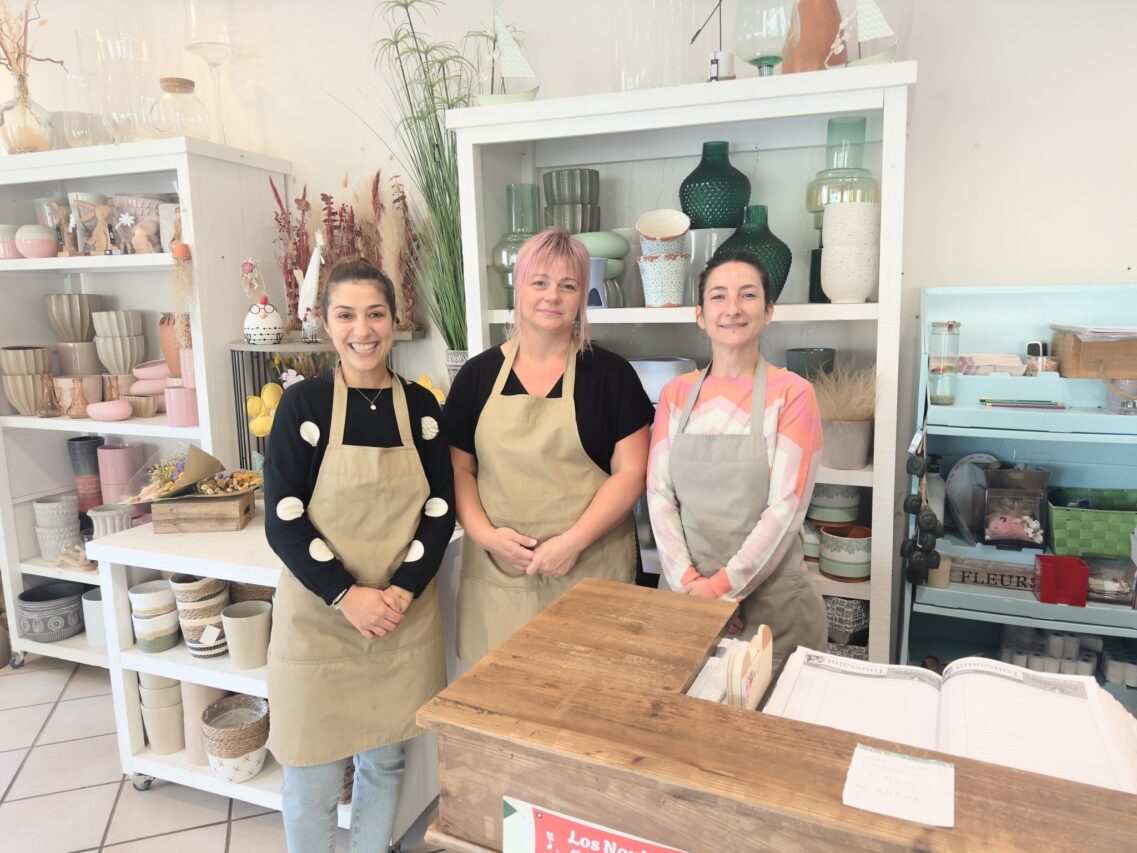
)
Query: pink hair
[{"x": 535, "y": 256}]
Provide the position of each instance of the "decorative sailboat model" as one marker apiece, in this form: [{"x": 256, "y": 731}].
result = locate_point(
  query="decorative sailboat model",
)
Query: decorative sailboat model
[
  {"x": 510, "y": 76},
  {"x": 875, "y": 37}
]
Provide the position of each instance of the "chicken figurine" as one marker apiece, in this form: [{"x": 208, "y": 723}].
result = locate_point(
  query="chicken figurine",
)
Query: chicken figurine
[{"x": 263, "y": 324}]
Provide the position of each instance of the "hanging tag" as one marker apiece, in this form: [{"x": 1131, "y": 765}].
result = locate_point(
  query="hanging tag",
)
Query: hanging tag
[{"x": 210, "y": 635}]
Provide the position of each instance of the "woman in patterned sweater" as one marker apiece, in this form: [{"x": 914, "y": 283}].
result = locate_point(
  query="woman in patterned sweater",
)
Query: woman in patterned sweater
[{"x": 729, "y": 482}]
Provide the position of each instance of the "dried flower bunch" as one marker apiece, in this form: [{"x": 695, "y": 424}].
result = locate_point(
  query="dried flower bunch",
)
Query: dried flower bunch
[
  {"x": 15, "y": 29},
  {"x": 846, "y": 393}
]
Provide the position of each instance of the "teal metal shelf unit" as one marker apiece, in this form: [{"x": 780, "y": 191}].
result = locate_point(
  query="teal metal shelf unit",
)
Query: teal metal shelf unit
[{"x": 1084, "y": 446}]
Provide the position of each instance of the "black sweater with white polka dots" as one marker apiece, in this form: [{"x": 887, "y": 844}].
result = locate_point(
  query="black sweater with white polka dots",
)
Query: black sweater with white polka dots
[{"x": 292, "y": 464}]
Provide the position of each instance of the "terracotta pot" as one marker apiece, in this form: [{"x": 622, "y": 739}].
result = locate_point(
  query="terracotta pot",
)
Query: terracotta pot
[
  {"x": 814, "y": 27},
  {"x": 168, "y": 337}
]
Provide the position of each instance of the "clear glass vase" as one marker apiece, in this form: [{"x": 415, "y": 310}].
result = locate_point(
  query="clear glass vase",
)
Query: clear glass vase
[
  {"x": 760, "y": 30},
  {"x": 24, "y": 124},
  {"x": 522, "y": 202}
]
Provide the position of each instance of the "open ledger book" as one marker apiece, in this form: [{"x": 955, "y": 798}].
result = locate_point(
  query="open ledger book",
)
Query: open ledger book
[{"x": 1058, "y": 725}]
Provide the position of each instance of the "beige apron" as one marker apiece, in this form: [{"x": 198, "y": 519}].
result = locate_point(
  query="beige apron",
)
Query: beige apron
[
  {"x": 535, "y": 477},
  {"x": 332, "y": 692},
  {"x": 722, "y": 483}
]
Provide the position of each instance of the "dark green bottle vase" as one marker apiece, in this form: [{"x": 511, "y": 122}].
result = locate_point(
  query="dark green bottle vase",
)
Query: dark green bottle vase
[
  {"x": 755, "y": 236},
  {"x": 715, "y": 194}
]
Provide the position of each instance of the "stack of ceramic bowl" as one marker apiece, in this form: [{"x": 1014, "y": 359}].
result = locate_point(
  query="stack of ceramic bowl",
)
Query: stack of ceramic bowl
[
  {"x": 200, "y": 602},
  {"x": 57, "y": 523},
  {"x": 25, "y": 368},
  {"x": 235, "y": 731},
  {"x": 850, "y": 261},
  {"x": 51, "y": 612},
  {"x": 832, "y": 504},
  {"x": 119, "y": 340},
  {"x": 571, "y": 197},
  {"x": 663, "y": 264},
  {"x": 154, "y": 615},
  {"x": 611, "y": 248},
  {"x": 148, "y": 392},
  {"x": 162, "y": 713}
]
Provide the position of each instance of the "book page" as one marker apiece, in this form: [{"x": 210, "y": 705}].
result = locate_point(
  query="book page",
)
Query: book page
[
  {"x": 1044, "y": 723},
  {"x": 897, "y": 703}
]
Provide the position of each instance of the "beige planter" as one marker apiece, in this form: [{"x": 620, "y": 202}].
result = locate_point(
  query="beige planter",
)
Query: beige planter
[
  {"x": 164, "y": 729},
  {"x": 247, "y": 630}
]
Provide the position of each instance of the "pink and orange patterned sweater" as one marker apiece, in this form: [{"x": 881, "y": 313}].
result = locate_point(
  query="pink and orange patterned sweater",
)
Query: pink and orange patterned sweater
[{"x": 792, "y": 427}]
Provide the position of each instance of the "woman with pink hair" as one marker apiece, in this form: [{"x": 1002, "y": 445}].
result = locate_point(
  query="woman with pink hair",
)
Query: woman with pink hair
[{"x": 548, "y": 435}]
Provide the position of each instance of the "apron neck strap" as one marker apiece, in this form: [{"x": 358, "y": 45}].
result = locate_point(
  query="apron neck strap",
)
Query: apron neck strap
[
  {"x": 757, "y": 402},
  {"x": 339, "y": 410},
  {"x": 568, "y": 379}
]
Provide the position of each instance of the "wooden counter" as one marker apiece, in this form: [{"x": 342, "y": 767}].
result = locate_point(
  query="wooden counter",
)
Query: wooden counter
[{"x": 582, "y": 711}]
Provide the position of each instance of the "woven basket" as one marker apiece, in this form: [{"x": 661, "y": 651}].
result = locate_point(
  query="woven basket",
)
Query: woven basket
[
  {"x": 1100, "y": 532},
  {"x": 235, "y": 726},
  {"x": 239, "y": 592},
  {"x": 200, "y": 602}
]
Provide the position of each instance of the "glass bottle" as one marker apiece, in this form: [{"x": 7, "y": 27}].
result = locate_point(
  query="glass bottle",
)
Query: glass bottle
[
  {"x": 24, "y": 124},
  {"x": 522, "y": 209},
  {"x": 178, "y": 111},
  {"x": 943, "y": 360},
  {"x": 760, "y": 30},
  {"x": 843, "y": 179},
  {"x": 754, "y": 236},
  {"x": 715, "y": 194}
]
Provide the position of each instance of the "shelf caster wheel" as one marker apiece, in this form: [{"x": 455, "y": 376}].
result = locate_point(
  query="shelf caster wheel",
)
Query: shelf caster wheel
[
  {"x": 18, "y": 659},
  {"x": 397, "y": 847},
  {"x": 141, "y": 781}
]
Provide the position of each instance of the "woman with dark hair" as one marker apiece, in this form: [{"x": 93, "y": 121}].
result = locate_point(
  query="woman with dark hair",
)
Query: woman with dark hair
[
  {"x": 735, "y": 450},
  {"x": 548, "y": 436},
  {"x": 359, "y": 505}
]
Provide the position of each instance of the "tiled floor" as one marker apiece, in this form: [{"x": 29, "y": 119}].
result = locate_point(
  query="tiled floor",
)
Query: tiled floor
[{"x": 62, "y": 788}]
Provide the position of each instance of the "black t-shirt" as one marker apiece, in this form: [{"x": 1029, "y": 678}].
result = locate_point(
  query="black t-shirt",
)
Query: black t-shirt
[{"x": 610, "y": 401}]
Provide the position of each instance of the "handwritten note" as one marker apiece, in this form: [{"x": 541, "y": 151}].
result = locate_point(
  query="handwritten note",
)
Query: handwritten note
[{"x": 903, "y": 786}]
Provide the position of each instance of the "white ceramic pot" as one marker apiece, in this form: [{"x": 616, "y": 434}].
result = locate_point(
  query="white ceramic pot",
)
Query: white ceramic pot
[
  {"x": 240, "y": 769},
  {"x": 70, "y": 314},
  {"x": 662, "y": 231},
  {"x": 152, "y": 598},
  {"x": 849, "y": 274},
  {"x": 78, "y": 358},
  {"x": 846, "y": 552},
  {"x": 37, "y": 241},
  {"x": 846, "y": 444},
  {"x": 247, "y": 627},
  {"x": 51, "y": 539},
  {"x": 56, "y": 511},
  {"x": 153, "y": 682},
  {"x": 95, "y": 627},
  {"x": 25, "y": 360},
  {"x": 160, "y": 697},
  {"x": 118, "y": 324},
  {"x": 164, "y": 729},
  {"x": 854, "y": 223},
  {"x": 664, "y": 279},
  {"x": 110, "y": 518},
  {"x": 24, "y": 392},
  {"x": 120, "y": 355}
]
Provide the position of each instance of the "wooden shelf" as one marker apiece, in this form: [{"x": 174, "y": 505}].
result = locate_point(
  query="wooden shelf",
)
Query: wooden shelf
[
  {"x": 42, "y": 568},
  {"x": 179, "y": 664},
  {"x": 72, "y": 649},
  {"x": 90, "y": 264},
  {"x": 686, "y": 314},
  {"x": 299, "y": 346},
  {"x": 155, "y": 427}
]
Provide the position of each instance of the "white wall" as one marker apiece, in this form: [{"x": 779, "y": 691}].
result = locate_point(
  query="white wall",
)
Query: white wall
[{"x": 1021, "y": 148}]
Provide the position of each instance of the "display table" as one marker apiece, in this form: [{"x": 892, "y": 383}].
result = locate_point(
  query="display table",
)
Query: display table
[
  {"x": 582, "y": 711},
  {"x": 245, "y": 556}
]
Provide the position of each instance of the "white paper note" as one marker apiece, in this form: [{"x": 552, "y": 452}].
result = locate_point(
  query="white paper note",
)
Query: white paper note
[{"x": 888, "y": 783}]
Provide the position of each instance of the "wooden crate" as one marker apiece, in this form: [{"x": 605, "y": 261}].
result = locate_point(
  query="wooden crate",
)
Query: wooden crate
[
  {"x": 201, "y": 515},
  {"x": 1079, "y": 359}
]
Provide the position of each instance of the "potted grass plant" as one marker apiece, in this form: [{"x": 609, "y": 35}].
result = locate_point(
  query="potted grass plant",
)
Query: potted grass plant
[
  {"x": 846, "y": 398},
  {"x": 427, "y": 78}
]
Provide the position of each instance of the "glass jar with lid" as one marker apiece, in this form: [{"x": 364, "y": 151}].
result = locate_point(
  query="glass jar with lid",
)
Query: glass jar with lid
[
  {"x": 943, "y": 362},
  {"x": 179, "y": 112}
]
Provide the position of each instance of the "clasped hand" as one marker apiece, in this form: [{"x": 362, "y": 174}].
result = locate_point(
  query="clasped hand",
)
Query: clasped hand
[
  {"x": 553, "y": 558},
  {"x": 375, "y": 612}
]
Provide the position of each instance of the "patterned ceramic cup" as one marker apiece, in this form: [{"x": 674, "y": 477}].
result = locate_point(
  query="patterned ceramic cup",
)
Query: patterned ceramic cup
[{"x": 845, "y": 552}]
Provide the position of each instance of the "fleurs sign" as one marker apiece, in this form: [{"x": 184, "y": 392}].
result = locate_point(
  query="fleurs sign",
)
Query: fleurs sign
[{"x": 531, "y": 829}]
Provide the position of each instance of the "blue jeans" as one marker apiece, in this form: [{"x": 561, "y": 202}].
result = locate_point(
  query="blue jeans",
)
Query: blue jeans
[{"x": 310, "y": 795}]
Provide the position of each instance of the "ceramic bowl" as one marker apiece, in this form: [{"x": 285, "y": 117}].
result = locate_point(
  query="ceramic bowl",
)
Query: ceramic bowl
[
  {"x": 78, "y": 358},
  {"x": 832, "y": 503},
  {"x": 604, "y": 244},
  {"x": 613, "y": 268},
  {"x": 52, "y": 611},
  {"x": 157, "y": 369},
  {"x": 117, "y": 324},
  {"x": 574, "y": 218},
  {"x": 152, "y": 598},
  {"x": 148, "y": 388},
  {"x": 852, "y": 224},
  {"x": 161, "y": 697},
  {"x": 70, "y": 314},
  {"x": 141, "y": 405},
  {"x": 25, "y": 360},
  {"x": 156, "y": 634},
  {"x": 654, "y": 373},
  {"x": 664, "y": 279},
  {"x": 111, "y": 410},
  {"x": 120, "y": 355},
  {"x": 92, "y": 389},
  {"x": 846, "y": 552},
  {"x": 56, "y": 510},
  {"x": 240, "y": 769},
  {"x": 849, "y": 274},
  {"x": 24, "y": 392},
  {"x": 51, "y": 539},
  {"x": 572, "y": 186},
  {"x": 662, "y": 232},
  {"x": 37, "y": 241}
]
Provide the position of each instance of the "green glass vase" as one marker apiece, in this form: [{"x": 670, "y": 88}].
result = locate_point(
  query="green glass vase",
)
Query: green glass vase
[
  {"x": 715, "y": 194},
  {"x": 755, "y": 236},
  {"x": 521, "y": 208}
]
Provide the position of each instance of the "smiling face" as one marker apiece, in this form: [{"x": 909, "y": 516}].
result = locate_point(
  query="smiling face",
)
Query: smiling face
[
  {"x": 360, "y": 323},
  {"x": 734, "y": 310},
  {"x": 548, "y": 301}
]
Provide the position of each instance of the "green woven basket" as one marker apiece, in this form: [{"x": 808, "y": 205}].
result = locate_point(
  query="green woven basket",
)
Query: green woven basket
[{"x": 1102, "y": 532}]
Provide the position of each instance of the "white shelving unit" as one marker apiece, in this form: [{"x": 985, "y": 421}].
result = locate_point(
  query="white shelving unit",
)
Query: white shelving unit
[
  {"x": 227, "y": 216},
  {"x": 643, "y": 144},
  {"x": 234, "y": 556}
]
